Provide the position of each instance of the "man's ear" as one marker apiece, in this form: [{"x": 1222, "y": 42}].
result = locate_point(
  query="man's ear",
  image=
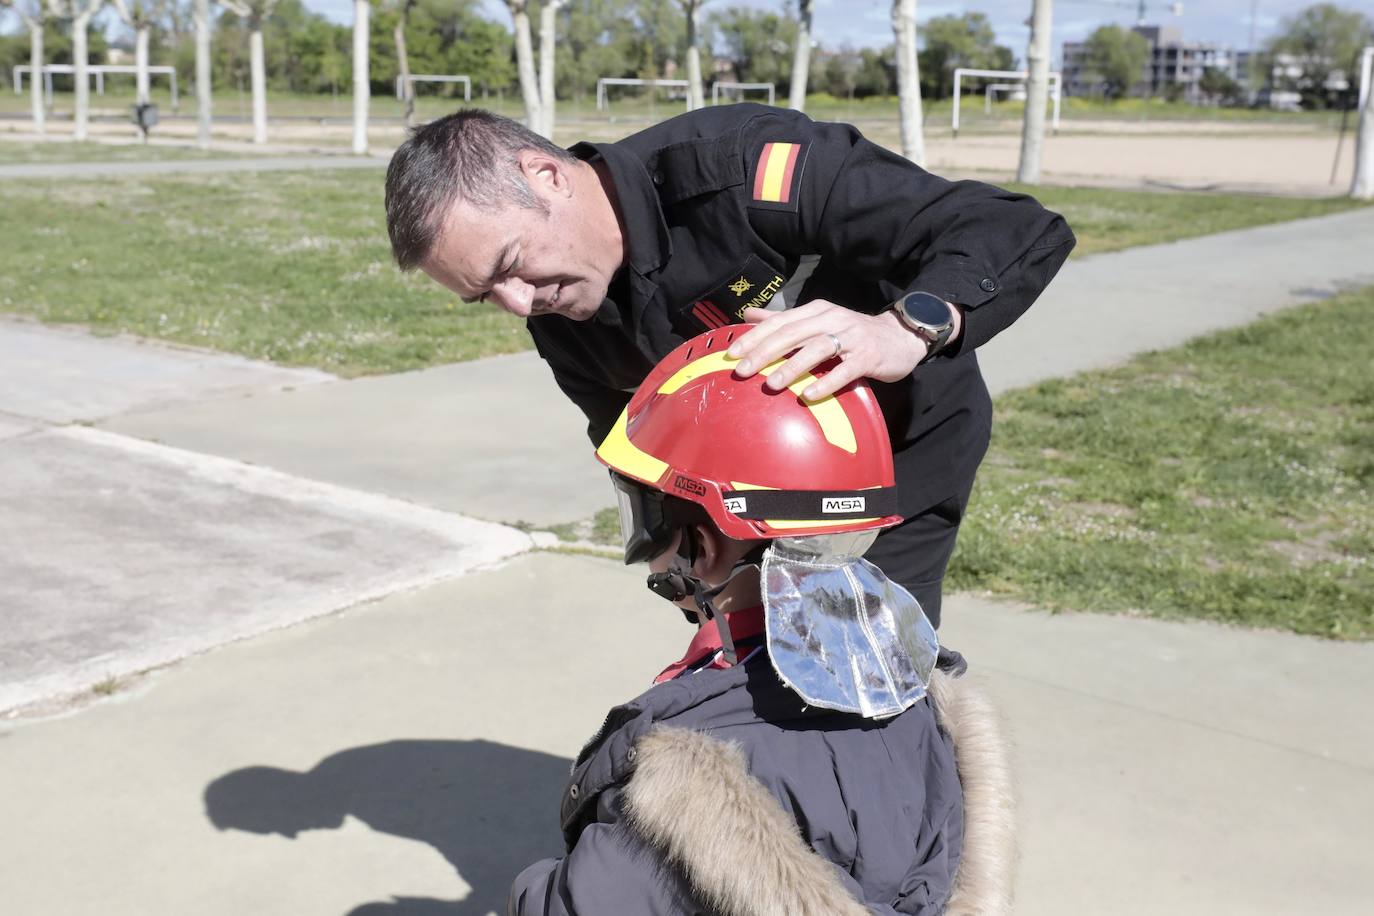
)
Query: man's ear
[
  {"x": 547, "y": 175},
  {"x": 710, "y": 554}
]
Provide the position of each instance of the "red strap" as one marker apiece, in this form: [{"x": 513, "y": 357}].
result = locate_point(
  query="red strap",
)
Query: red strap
[{"x": 744, "y": 624}]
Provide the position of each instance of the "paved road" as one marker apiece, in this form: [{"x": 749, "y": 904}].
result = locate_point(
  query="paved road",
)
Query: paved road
[{"x": 160, "y": 501}]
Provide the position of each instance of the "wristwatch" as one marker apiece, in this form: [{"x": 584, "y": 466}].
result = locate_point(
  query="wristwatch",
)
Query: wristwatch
[{"x": 928, "y": 316}]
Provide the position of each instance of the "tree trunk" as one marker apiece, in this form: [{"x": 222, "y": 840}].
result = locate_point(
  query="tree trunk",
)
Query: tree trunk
[
  {"x": 548, "y": 24},
  {"x": 141, "y": 92},
  {"x": 524, "y": 59},
  {"x": 258, "y": 78},
  {"x": 908, "y": 80},
  {"x": 36, "y": 71},
  {"x": 80, "y": 131},
  {"x": 801, "y": 57},
  {"x": 203, "y": 74},
  {"x": 696, "y": 97},
  {"x": 1362, "y": 187},
  {"x": 1037, "y": 92},
  {"x": 361, "y": 79},
  {"x": 403, "y": 62}
]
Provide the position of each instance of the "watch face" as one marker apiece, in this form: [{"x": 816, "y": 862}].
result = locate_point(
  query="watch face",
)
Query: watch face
[{"x": 926, "y": 309}]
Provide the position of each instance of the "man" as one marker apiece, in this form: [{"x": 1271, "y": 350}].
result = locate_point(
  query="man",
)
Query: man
[
  {"x": 618, "y": 252},
  {"x": 766, "y": 772}
]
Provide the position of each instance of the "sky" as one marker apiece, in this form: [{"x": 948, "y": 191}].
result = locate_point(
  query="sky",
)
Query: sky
[{"x": 866, "y": 23}]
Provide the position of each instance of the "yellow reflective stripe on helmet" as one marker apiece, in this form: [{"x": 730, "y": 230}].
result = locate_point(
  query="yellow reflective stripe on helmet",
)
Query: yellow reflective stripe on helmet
[
  {"x": 621, "y": 454},
  {"x": 834, "y": 422},
  {"x": 711, "y": 362},
  {"x": 829, "y": 414}
]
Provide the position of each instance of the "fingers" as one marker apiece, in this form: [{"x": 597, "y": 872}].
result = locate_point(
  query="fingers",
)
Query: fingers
[
  {"x": 779, "y": 333},
  {"x": 800, "y": 363}
]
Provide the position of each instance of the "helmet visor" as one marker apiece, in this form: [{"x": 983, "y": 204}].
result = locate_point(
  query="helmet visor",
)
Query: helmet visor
[{"x": 644, "y": 526}]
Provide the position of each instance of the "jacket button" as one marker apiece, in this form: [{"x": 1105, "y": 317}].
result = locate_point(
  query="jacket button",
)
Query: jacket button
[
  {"x": 988, "y": 285},
  {"x": 658, "y": 178},
  {"x": 572, "y": 791}
]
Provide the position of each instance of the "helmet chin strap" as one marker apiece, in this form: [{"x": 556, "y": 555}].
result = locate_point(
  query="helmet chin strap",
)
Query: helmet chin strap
[{"x": 678, "y": 582}]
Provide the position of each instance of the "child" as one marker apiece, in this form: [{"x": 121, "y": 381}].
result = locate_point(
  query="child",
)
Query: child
[{"x": 792, "y": 761}]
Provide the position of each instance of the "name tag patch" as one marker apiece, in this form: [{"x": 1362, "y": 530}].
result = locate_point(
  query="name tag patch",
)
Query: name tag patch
[{"x": 751, "y": 285}]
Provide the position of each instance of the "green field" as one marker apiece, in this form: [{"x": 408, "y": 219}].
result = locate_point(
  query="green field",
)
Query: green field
[
  {"x": 1230, "y": 479},
  {"x": 294, "y": 267},
  {"x": 636, "y": 105}
]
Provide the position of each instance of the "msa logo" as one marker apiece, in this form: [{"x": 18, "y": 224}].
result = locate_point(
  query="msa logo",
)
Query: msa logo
[
  {"x": 842, "y": 504},
  {"x": 735, "y": 504},
  {"x": 688, "y": 485}
]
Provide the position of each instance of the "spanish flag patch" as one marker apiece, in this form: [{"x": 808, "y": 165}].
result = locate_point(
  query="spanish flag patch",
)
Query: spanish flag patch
[{"x": 777, "y": 175}]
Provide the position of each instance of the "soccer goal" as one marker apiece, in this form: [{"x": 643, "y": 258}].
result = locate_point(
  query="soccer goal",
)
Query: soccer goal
[
  {"x": 433, "y": 78},
  {"x": 603, "y": 99},
  {"x": 96, "y": 70},
  {"x": 1056, "y": 89},
  {"x": 734, "y": 92}
]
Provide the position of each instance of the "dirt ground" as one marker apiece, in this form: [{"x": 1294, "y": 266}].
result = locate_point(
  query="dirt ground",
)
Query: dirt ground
[{"x": 1236, "y": 157}]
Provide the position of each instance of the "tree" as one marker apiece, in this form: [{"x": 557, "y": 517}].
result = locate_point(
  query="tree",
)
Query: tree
[
  {"x": 695, "y": 97},
  {"x": 598, "y": 36},
  {"x": 548, "y": 22},
  {"x": 908, "y": 80},
  {"x": 1322, "y": 41},
  {"x": 755, "y": 43},
  {"x": 361, "y": 86},
  {"x": 1362, "y": 185},
  {"x": 801, "y": 59},
  {"x": 34, "y": 14},
  {"x": 1115, "y": 57},
  {"x": 1037, "y": 92},
  {"x": 1218, "y": 86},
  {"x": 949, "y": 42},
  {"x": 141, "y": 16},
  {"x": 80, "y": 12},
  {"x": 203, "y": 94},
  {"x": 524, "y": 62},
  {"x": 255, "y": 12},
  {"x": 398, "y": 36},
  {"x": 660, "y": 36}
]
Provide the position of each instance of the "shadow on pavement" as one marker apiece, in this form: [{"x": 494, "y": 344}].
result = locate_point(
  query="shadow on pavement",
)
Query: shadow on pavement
[{"x": 488, "y": 808}]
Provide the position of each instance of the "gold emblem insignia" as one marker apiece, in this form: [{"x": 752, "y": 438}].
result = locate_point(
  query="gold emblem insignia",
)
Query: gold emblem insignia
[{"x": 741, "y": 286}]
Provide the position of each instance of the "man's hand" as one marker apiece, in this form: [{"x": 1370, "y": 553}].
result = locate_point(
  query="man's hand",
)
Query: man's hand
[{"x": 869, "y": 346}]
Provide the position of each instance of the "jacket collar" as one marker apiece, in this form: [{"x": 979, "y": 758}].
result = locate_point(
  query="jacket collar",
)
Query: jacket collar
[{"x": 637, "y": 202}]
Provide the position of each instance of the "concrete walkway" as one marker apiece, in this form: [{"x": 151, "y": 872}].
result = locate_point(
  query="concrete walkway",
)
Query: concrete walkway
[{"x": 404, "y": 755}]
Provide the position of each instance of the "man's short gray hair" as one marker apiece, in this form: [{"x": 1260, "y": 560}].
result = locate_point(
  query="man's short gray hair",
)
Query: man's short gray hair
[{"x": 471, "y": 155}]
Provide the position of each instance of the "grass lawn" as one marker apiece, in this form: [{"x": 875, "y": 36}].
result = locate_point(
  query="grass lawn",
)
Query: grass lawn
[
  {"x": 636, "y": 103},
  {"x": 288, "y": 266},
  {"x": 294, "y": 266},
  {"x": 1230, "y": 479}
]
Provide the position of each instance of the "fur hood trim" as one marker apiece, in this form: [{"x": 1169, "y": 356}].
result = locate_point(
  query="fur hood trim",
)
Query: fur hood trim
[
  {"x": 752, "y": 842},
  {"x": 987, "y": 865},
  {"x": 749, "y": 841}
]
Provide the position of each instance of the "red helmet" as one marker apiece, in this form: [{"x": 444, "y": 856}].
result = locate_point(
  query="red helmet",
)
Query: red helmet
[{"x": 763, "y": 464}]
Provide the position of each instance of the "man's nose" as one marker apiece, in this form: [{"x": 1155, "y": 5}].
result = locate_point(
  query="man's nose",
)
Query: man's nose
[{"x": 514, "y": 295}]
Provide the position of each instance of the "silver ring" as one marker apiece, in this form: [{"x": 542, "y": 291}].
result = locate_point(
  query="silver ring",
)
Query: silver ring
[{"x": 838, "y": 346}]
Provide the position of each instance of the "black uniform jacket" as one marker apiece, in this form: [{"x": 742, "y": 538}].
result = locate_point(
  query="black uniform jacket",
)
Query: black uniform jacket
[{"x": 741, "y": 205}]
